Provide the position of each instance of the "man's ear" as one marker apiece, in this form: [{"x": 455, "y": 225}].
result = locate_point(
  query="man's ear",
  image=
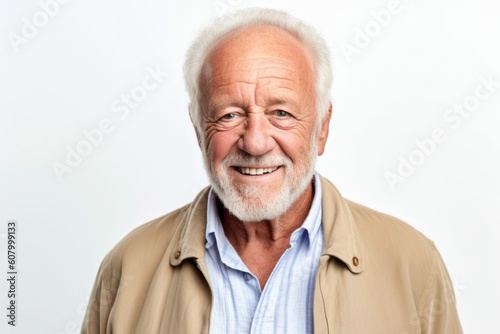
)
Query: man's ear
[
  {"x": 198, "y": 137},
  {"x": 323, "y": 135},
  {"x": 196, "y": 130}
]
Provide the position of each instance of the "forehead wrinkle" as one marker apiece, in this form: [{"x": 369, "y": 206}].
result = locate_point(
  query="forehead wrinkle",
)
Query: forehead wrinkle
[
  {"x": 276, "y": 82},
  {"x": 248, "y": 63},
  {"x": 266, "y": 57},
  {"x": 251, "y": 75},
  {"x": 261, "y": 84},
  {"x": 228, "y": 90},
  {"x": 226, "y": 99},
  {"x": 278, "y": 92}
]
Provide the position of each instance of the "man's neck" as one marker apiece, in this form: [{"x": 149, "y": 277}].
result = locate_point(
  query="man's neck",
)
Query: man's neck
[{"x": 261, "y": 244}]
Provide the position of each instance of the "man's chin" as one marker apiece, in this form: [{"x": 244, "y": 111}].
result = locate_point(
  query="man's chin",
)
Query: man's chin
[
  {"x": 253, "y": 215},
  {"x": 250, "y": 204}
]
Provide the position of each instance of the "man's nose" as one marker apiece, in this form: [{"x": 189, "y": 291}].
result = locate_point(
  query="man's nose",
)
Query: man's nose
[{"x": 256, "y": 138}]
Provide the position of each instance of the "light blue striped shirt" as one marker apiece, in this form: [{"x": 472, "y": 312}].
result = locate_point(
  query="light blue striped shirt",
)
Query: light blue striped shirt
[{"x": 285, "y": 304}]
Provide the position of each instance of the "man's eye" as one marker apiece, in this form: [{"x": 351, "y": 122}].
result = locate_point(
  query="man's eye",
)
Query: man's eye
[
  {"x": 282, "y": 113},
  {"x": 229, "y": 116}
]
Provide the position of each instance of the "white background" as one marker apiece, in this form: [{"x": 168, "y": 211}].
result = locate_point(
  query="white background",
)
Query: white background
[{"x": 64, "y": 79}]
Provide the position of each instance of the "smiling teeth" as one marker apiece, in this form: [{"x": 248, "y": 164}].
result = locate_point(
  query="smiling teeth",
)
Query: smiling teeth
[{"x": 256, "y": 171}]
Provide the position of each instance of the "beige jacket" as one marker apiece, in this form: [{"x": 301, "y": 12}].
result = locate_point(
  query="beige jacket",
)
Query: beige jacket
[{"x": 376, "y": 275}]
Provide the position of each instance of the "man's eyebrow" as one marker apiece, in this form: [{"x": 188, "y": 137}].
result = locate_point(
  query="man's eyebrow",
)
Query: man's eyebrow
[
  {"x": 281, "y": 100},
  {"x": 278, "y": 100},
  {"x": 214, "y": 107}
]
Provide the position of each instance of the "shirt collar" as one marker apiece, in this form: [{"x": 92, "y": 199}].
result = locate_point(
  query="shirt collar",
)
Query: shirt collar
[
  {"x": 341, "y": 239},
  {"x": 214, "y": 229}
]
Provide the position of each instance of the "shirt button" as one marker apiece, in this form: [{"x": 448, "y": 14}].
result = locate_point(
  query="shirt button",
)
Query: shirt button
[
  {"x": 246, "y": 277},
  {"x": 355, "y": 261}
]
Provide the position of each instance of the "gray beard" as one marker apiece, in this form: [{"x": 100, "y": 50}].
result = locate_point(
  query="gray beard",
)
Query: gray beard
[{"x": 251, "y": 203}]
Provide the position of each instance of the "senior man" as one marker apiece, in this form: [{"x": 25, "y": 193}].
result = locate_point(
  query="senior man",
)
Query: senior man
[{"x": 270, "y": 246}]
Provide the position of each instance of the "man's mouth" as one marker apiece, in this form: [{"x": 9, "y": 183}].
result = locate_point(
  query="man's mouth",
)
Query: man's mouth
[{"x": 256, "y": 171}]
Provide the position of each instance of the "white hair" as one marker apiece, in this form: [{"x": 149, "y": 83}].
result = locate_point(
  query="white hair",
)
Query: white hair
[{"x": 241, "y": 19}]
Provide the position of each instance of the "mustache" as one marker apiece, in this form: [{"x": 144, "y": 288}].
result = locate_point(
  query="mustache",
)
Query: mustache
[{"x": 245, "y": 159}]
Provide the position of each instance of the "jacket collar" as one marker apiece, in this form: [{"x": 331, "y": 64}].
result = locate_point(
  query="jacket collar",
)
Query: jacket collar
[
  {"x": 339, "y": 229},
  {"x": 340, "y": 237},
  {"x": 191, "y": 234}
]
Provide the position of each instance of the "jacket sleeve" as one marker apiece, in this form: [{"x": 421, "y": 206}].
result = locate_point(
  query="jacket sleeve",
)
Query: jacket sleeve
[
  {"x": 99, "y": 306},
  {"x": 437, "y": 313}
]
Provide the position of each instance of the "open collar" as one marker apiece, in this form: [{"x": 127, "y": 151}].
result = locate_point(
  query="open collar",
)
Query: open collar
[{"x": 341, "y": 239}]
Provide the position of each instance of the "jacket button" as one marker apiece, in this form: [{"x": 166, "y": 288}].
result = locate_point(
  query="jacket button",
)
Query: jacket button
[
  {"x": 355, "y": 261},
  {"x": 177, "y": 255}
]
